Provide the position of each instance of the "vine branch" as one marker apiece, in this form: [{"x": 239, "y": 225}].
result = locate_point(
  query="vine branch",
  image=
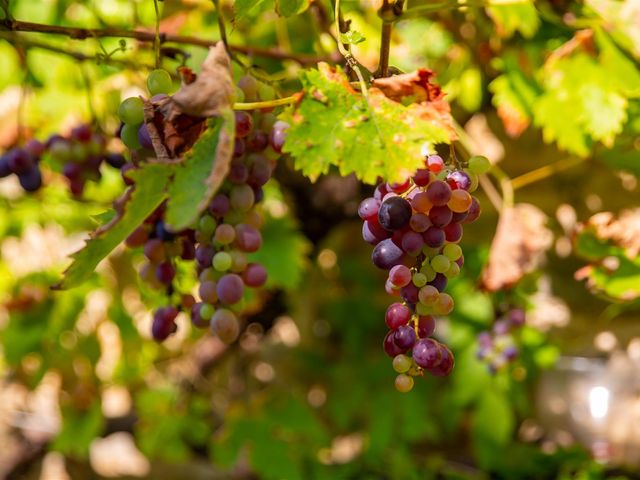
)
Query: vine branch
[{"x": 78, "y": 33}]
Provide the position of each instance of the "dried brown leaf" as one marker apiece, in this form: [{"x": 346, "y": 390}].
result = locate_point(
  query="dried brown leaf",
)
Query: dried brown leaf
[
  {"x": 521, "y": 239},
  {"x": 623, "y": 231}
]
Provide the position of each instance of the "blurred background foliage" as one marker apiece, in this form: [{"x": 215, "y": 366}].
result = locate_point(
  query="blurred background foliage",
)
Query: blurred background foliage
[{"x": 547, "y": 90}]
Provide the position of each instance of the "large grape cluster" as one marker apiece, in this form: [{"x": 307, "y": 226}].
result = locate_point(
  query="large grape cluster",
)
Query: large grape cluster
[
  {"x": 415, "y": 227},
  {"x": 224, "y": 235},
  {"x": 498, "y": 348}
]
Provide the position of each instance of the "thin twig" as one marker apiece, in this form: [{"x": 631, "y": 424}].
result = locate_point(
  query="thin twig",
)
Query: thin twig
[
  {"x": 546, "y": 171},
  {"x": 156, "y": 38},
  {"x": 266, "y": 104},
  {"x": 77, "y": 33}
]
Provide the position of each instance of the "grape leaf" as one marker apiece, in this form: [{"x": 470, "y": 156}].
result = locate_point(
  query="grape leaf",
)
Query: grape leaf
[
  {"x": 201, "y": 172},
  {"x": 148, "y": 193},
  {"x": 515, "y": 17},
  {"x": 333, "y": 124},
  {"x": 285, "y": 8}
]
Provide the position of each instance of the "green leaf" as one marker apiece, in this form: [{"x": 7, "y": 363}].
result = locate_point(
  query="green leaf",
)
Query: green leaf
[
  {"x": 79, "y": 429},
  {"x": 287, "y": 8},
  {"x": 201, "y": 173},
  {"x": 604, "y": 113},
  {"x": 493, "y": 424},
  {"x": 557, "y": 118},
  {"x": 283, "y": 253},
  {"x": 148, "y": 193},
  {"x": 516, "y": 17},
  {"x": 334, "y": 125},
  {"x": 352, "y": 37}
]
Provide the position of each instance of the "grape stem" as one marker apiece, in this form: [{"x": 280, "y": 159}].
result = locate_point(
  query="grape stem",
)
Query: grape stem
[
  {"x": 77, "y": 33},
  {"x": 266, "y": 104},
  {"x": 156, "y": 38},
  {"x": 545, "y": 172}
]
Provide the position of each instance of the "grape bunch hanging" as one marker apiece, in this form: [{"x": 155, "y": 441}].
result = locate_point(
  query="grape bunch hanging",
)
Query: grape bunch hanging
[
  {"x": 498, "y": 347},
  {"x": 225, "y": 234},
  {"x": 415, "y": 227}
]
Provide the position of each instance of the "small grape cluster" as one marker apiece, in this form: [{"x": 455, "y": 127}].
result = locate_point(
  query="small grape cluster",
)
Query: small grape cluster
[
  {"x": 415, "y": 227},
  {"x": 24, "y": 162},
  {"x": 81, "y": 154},
  {"x": 225, "y": 234},
  {"x": 498, "y": 348}
]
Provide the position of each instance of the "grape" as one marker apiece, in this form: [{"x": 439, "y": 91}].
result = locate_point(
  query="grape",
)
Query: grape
[
  {"x": 399, "y": 187},
  {"x": 278, "y": 135},
  {"x": 412, "y": 243},
  {"x": 517, "y": 316},
  {"x": 222, "y": 262},
  {"x": 428, "y": 295},
  {"x": 435, "y": 163},
  {"x": 454, "y": 271},
  {"x": 386, "y": 254},
  {"x": 440, "y": 263},
  {"x": 154, "y": 250},
  {"x": 427, "y": 353},
  {"x": 459, "y": 179},
  {"x": 248, "y": 238},
  {"x": 390, "y": 347},
  {"x": 207, "y": 311},
  {"x": 257, "y": 141},
  {"x": 242, "y": 198},
  {"x": 165, "y": 273},
  {"x": 434, "y": 237},
  {"x": 446, "y": 364},
  {"x": 163, "y": 233},
  {"x": 207, "y": 292},
  {"x": 409, "y": 293},
  {"x": 426, "y": 326},
  {"x": 260, "y": 172},
  {"x": 249, "y": 87},
  {"x": 196, "y": 319},
  {"x": 474, "y": 211},
  {"x": 144, "y": 139},
  {"x": 380, "y": 192},
  {"x": 440, "y": 216},
  {"x": 368, "y": 209},
  {"x": 373, "y": 233},
  {"x": 444, "y": 304},
  {"x": 116, "y": 160},
  {"x": 225, "y": 325},
  {"x": 438, "y": 192},
  {"x": 404, "y": 383},
  {"x": 131, "y": 111},
  {"x": 129, "y": 136},
  {"x": 400, "y": 276},
  {"x": 255, "y": 275},
  {"x": 397, "y": 315},
  {"x": 5, "y": 170},
  {"x": 244, "y": 124},
  {"x": 479, "y": 164},
  {"x": 230, "y": 288},
  {"x": 31, "y": 180},
  {"x": 422, "y": 177},
  {"x": 419, "y": 222},
  {"x": 419, "y": 279},
  {"x": 404, "y": 337},
  {"x": 204, "y": 255},
  {"x": 225, "y": 234},
  {"x": 427, "y": 271},
  {"x": 421, "y": 203},
  {"x": 439, "y": 282},
  {"x": 452, "y": 251},
  {"x": 401, "y": 363},
  {"x": 164, "y": 323},
  {"x": 394, "y": 213},
  {"x": 453, "y": 232},
  {"x": 137, "y": 238},
  {"x": 159, "y": 82},
  {"x": 460, "y": 201},
  {"x": 220, "y": 205}
]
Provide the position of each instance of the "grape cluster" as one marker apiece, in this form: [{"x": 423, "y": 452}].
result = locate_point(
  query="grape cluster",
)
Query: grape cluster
[
  {"x": 81, "y": 154},
  {"x": 25, "y": 164},
  {"x": 498, "y": 348},
  {"x": 223, "y": 237},
  {"x": 415, "y": 227}
]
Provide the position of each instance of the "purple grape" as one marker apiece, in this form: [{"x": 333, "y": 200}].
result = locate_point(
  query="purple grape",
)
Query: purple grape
[
  {"x": 204, "y": 255},
  {"x": 230, "y": 288},
  {"x": 260, "y": 172},
  {"x": 394, "y": 213},
  {"x": 446, "y": 364},
  {"x": 220, "y": 205},
  {"x": 162, "y": 233},
  {"x": 257, "y": 141},
  {"x": 412, "y": 242},
  {"x": 422, "y": 177},
  {"x": 517, "y": 316},
  {"x": 390, "y": 347},
  {"x": 439, "y": 192},
  {"x": 238, "y": 173},
  {"x": 144, "y": 138},
  {"x": 440, "y": 282},
  {"x": 196, "y": 319},
  {"x": 501, "y": 327},
  {"x": 368, "y": 209},
  {"x": 404, "y": 337},
  {"x": 434, "y": 237},
  {"x": 459, "y": 217},
  {"x": 244, "y": 124},
  {"x": 460, "y": 179},
  {"x": 81, "y": 133},
  {"x": 72, "y": 170},
  {"x": 34, "y": 148},
  {"x": 409, "y": 293},
  {"x": 20, "y": 162},
  {"x": 380, "y": 192},
  {"x": 397, "y": 315},
  {"x": 453, "y": 232},
  {"x": 427, "y": 353},
  {"x": 426, "y": 326},
  {"x": 248, "y": 238},
  {"x": 165, "y": 273},
  {"x": 239, "y": 148},
  {"x": 474, "y": 211},
  {"x": 419, "y": 222},
  {"x": 278, "y": 135},
  {"x": 440, "y": 216},
  {"x": 386, "y": 254},
  {"x": 255, "y": 275},
  {"x": 510, "y": 353},
  {"x": 5, "y": 169},
  {"x": 164, "y": 323},
  {"x": 373, "y": 233},
  {"x": 485, "y": 340},
  {"x": 31, "y": 180}
]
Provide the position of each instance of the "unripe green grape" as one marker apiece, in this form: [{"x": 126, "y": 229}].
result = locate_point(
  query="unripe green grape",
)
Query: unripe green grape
[
  {"x": 131, "y": 112},
  {"x": 454, "y": 271},
  {"x": 429, "y": 251},
  {"x": 266, "y": 92},
  {"x": 222, "y": 261},
  {"x": 452, "y": 251},
  {"x": 207, "y": 225},
  {"x": 239, "y": 95},
  {"x": 404, "y": 383},
  {"x": 402, "y": 363},
  {"x": 428, "y": 272},
  {"x": 129, "y": 136},
  {"x": 474, "y": 180},
  {"x": 206, "y": 311},
  {"x": 159, "y": 81},
  {"x": 419, "y": 279},
  {"x": 440, "y": 263},
  {"x": 422, "y": 309},
  {"x": 479, "y": 164}
]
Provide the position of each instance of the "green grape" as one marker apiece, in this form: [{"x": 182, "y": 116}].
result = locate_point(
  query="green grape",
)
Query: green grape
[
  {"x": 206, "y": 311},
  {"x": 454, "y": 271},
  {"x": 131, "y": 112},
  {"x": 428, "y": 272},
  {"x": 429, "y": 251},
  {"x": 159, "y": 81},
  {"x": 129, "y": 136},
  {"x": 266, "y": 92},
  {"x": 239, "y": 95},
  {"x": 479, "y": 164},
  {"x": 422, "y": 309},
  {"x": 222, "y": 261},
  {"x": 419, "y": 279},
  {"x": 452, "y": 251},
  {"x": 404, "y": 383},
  {"x": 402, "y": 363},
  {"x": 440, "y": 263},
  {"x": 207, "y": 225}
]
